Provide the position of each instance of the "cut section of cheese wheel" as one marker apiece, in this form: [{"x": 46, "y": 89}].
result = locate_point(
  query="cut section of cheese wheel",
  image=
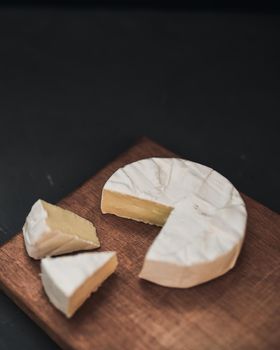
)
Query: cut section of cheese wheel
[
  {"x": 50, "y": 230},
  {"x": 69, "y": 280},
  {"x": 202, "y": 214}
]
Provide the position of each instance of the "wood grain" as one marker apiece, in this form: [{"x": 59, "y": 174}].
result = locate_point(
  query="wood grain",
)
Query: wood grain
[{"x": 239, "y": 310}]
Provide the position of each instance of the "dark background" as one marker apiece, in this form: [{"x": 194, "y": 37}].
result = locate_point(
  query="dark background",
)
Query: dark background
[{"x": 78, "y": 85}]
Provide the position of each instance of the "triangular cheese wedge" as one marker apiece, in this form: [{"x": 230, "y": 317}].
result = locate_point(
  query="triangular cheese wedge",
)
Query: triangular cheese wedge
[
  {"x": 50, "y": 230},
  {"x": 69, "y": 280}
]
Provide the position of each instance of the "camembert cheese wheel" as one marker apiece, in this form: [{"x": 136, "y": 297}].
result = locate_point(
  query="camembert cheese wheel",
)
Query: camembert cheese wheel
[{"x": 202, "y": 215}]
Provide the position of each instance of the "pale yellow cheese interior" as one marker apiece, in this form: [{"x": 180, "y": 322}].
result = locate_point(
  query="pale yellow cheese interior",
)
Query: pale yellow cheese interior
[
  {"x": 69, "y": 223},
  {"x": 130, "y": 207},
  {"x": 91, "y": 285}
]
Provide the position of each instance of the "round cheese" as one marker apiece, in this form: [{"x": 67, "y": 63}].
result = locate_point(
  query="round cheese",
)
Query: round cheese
[{"x": 202, "y": 214}]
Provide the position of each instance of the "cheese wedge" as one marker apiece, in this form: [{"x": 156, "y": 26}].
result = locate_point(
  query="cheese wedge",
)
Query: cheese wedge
[
  {"x": 69, "y": 280},
  {"x": 202, "y": 214},
  {"x": 50, "y": 230}
]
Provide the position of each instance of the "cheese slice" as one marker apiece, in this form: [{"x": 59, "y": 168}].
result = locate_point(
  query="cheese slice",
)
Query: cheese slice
[
  {"x": 50, "y": 230},
  {"x": 69, "y": 280},
  {"x": 202, "y": 214}
]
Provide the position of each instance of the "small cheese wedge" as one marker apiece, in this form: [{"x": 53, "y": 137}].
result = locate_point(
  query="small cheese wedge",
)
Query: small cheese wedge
[
  {"x": 50, "y": 230},
  {"x": 202, "y": 214},
  {"x": 69, "y": 280}
]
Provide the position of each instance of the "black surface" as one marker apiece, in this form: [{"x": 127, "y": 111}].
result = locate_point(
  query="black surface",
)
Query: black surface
[{"x": 78, "y": 87}]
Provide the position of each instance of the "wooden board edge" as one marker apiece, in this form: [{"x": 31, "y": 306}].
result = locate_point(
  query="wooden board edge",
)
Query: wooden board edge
[{"x": 43, "y": 325}]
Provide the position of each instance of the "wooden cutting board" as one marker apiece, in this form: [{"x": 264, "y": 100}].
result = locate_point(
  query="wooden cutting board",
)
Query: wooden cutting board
[{"x": 240, "y": 310}]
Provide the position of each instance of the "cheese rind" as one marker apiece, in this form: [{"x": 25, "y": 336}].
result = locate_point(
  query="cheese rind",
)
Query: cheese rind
[
  {"x": 50, "y": 230},
  {"x": 69, "y": 280},
  {"x": 203, "y": 228}
]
